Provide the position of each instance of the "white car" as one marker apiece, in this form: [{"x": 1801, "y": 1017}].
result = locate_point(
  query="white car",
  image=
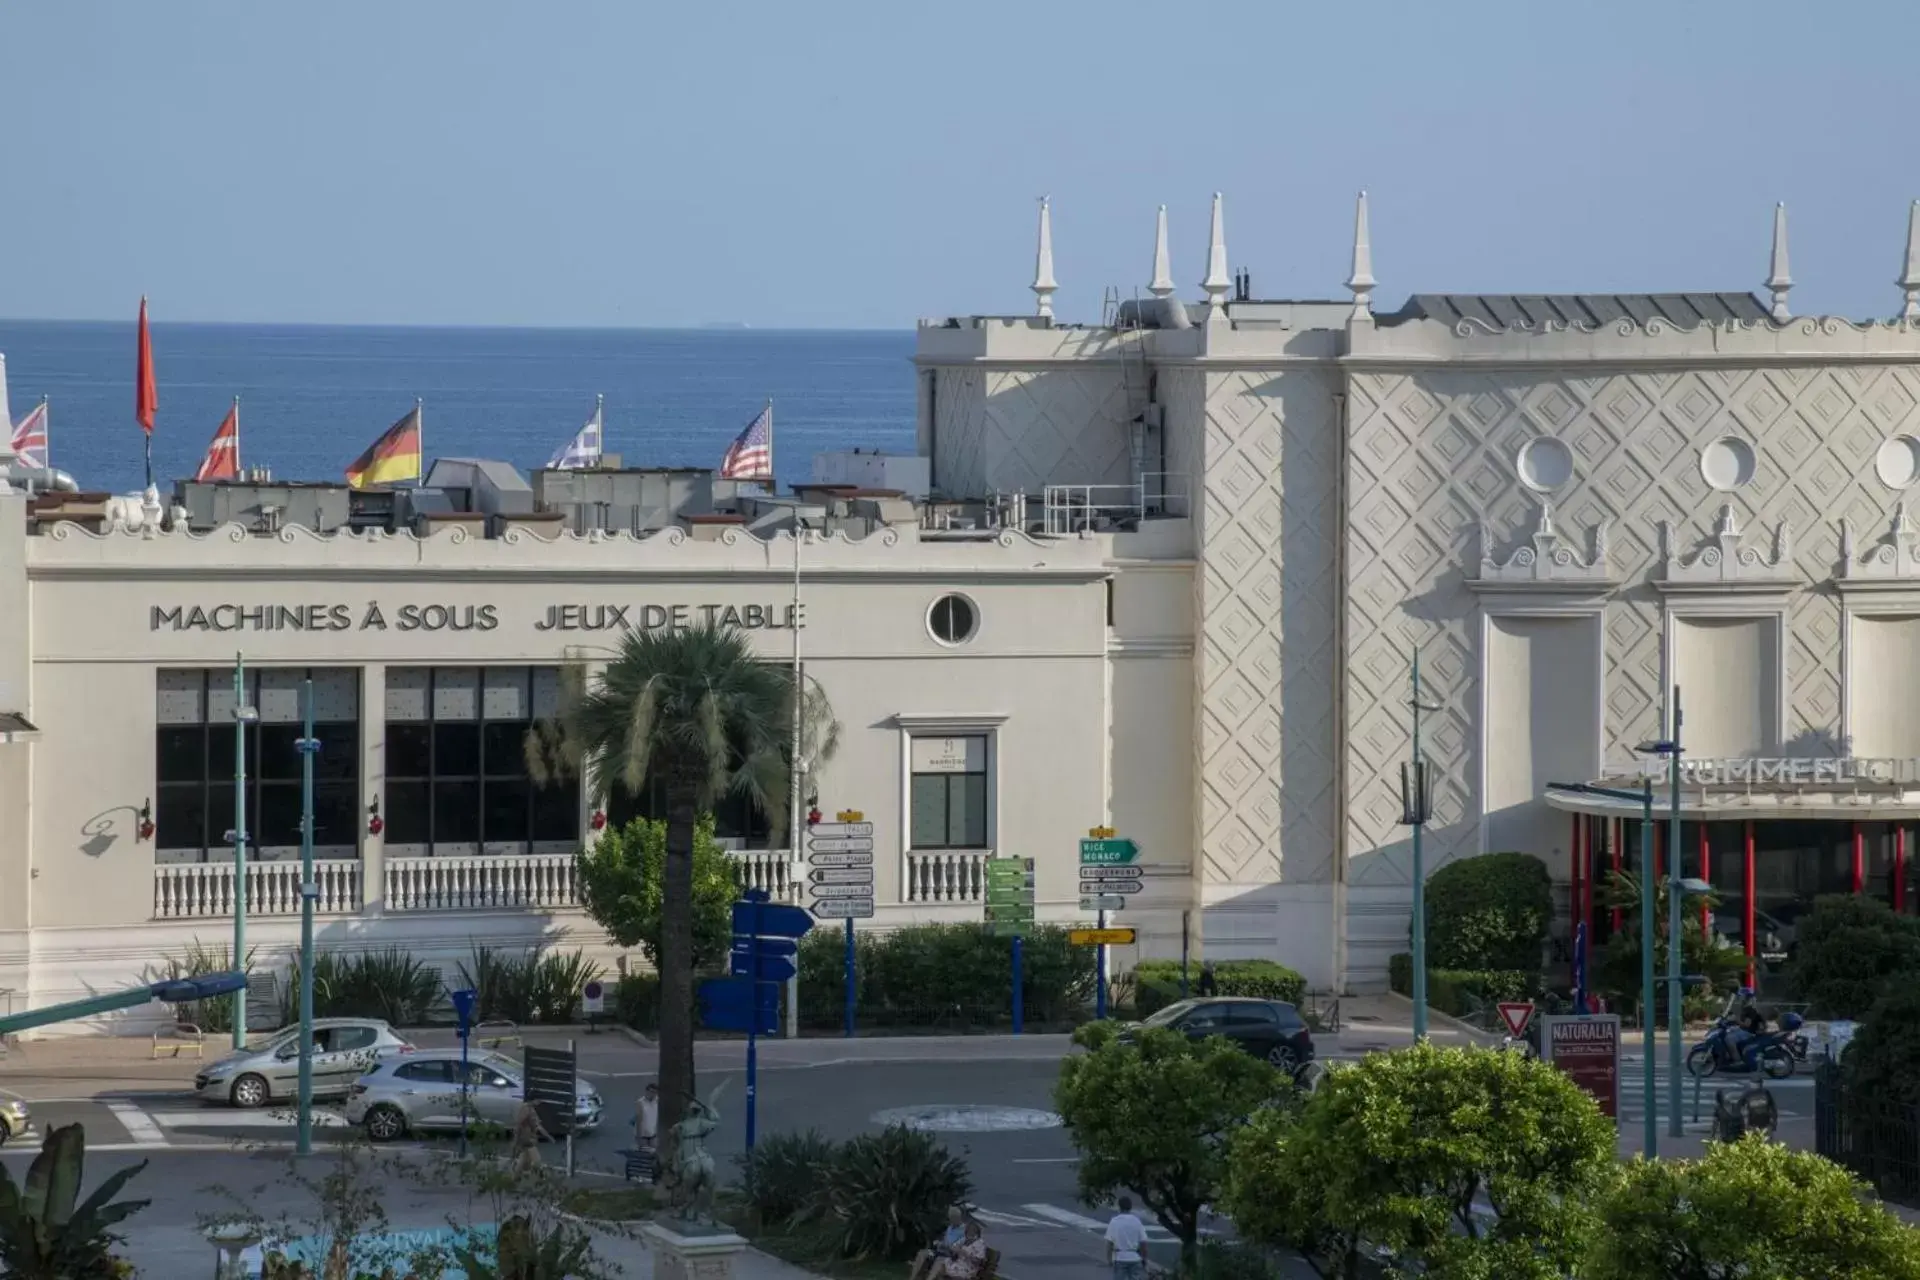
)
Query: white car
[{"x": 421, "y": 1092}]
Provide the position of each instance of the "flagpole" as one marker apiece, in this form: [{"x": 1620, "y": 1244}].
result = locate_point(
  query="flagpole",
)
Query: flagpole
[
  {"x": 773, "y": 486},
  {"x": 46, "y": 426},
  {"x": 794, "y": 766},
  {"x": 420, "y": 434},
  {"x": 236, "y": 438}
]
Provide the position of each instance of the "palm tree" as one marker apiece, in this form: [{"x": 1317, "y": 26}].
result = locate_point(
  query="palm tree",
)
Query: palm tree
[{"x": 696, "y": 710}]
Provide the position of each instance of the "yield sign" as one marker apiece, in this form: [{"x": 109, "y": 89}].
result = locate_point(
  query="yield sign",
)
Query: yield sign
[{"x": 1516, "y": 1014}]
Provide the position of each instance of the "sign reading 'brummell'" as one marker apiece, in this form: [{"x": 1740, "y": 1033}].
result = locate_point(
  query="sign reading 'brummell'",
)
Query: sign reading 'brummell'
[{"x": 470, "y": 617}]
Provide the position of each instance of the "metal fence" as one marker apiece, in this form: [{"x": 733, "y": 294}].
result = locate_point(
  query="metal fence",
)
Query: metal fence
[{"x": 1878, "y": 1140}]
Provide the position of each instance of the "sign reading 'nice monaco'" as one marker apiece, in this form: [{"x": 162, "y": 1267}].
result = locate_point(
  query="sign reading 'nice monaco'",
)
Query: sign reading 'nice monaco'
[{"x": 470, "y": 617}]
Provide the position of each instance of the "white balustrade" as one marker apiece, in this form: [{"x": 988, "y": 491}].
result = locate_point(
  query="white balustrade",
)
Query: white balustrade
[
  {"x": 768, "y": 869},
  {"x": 947, "y": 875},
  {"x": 539, "y": 882},
  {"x": 195, "y": 890}
]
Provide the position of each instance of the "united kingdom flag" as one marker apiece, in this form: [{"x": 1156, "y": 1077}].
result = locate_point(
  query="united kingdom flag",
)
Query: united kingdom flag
[
  {"x": 750, "y": 456},
  {"x": 30, "y": 437}
]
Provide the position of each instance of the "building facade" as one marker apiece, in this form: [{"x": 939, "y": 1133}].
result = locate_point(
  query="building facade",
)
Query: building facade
[{"x": 1170, "y": 575}]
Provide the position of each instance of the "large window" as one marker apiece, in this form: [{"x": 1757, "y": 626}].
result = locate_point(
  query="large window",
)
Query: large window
[
  {"x": 456, "y": 765},
  {"x": 948, "y": 794},
  {"x": 194, "y": 750}
]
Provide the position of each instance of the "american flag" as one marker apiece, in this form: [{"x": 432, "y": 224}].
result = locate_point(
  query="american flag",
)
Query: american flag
[
  {"x": 750, "y": 456},
  {"x": 584, "y": 449},
  {"x": 30, "y": 437}
]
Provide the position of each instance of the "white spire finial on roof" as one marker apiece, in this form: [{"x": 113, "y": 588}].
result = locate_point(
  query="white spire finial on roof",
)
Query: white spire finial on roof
[
  {"x": 1216, "y": 284},
  {"x": 1777, "y": 278},
  {"x": 1909, "y": 280},
  {"x": 1360, "y": 280},
  {"x": 1043, "y": 282},
  {"x": 1162, "y": 286}
]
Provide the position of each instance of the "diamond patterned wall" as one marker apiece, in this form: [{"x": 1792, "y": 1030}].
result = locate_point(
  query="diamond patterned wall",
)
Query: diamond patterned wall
[
  {"x": 1019, "y": 430},
  {"x": 1432, "y": 453},
  {"x": 1268, "y": 517}
]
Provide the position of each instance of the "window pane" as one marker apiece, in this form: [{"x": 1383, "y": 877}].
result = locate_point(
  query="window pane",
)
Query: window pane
[
  {"x": 182, "y": 754},
  {"x": 219, "y": 813},
  {"x": 623, "y": 807},
  {"x": 969, "y": 801},
  {"x": 928, "y": 797},
  {"x": 456, "y": 750},
  {"x": 220, "y": 750},
  {"x": 505, "y": 744},
  {"x": 338, "y": 759},
  {"x": 409, "y": 749},
  {"x": 336, "y": 816},
  {"x": 279, "y": 820},
  {"x": 279, "y": 758},
  {"x": 456, "y": 813},
  {"x": 406, "y": 813},
  {"x": 506, "y": 812},
  {"x": 556, "y": 813},
  {"x": 180, "y": 817}
]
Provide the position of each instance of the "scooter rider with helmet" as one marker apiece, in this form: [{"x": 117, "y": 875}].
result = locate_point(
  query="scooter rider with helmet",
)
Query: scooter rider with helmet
[{"x": 1749, "y": 1023}]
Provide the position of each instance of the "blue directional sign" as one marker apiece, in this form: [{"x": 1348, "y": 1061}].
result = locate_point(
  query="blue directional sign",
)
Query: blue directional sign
[
  {"x": 186, "y": 990},
  {"x": 771, "y": 961},
  {"x": 737, "y": 1004},
  {"x": 777, "y": 920},
  {"x": 466, "y": 1003}
]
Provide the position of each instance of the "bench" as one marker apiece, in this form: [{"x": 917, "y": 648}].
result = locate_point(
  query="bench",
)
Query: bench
[
  {"x": 991, "y": 1271},
  {"x": 180, "y": 1036},
  {"x": 498, "y": 1033}
]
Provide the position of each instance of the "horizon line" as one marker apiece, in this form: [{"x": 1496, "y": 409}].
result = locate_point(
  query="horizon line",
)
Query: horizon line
[{"x": 731, "y": 327}]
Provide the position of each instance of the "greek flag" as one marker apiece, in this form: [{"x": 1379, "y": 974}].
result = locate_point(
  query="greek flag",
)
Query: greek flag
[{"x": 584, "y": 449}]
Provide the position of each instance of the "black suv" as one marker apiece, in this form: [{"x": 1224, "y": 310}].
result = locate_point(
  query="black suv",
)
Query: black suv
[{"x": 1270, "y": 1029}]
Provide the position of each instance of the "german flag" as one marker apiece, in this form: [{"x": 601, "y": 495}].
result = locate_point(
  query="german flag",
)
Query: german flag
[{"x": 394, "y": 456}]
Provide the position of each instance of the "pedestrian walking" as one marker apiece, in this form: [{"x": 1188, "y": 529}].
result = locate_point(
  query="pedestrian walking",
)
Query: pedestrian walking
[
  {"x": 528, "y": 1134},
  {"x": 1209, "y": 985},
  {"x": 1126, "y": 1243},
  {"x": 646, "y": 1127}
]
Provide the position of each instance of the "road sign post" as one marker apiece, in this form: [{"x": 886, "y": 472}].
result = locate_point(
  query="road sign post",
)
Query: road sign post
[
  {"x": 1010, "y": 915},
  {"x": 1516, "y": 1014},
  {"x": 840, "y": 855},
  {"x": 1588, "y": 1050},
  {"x": 466, "y": 1002},
  {"x": 1107, "y": 876},
  {"x": 765, "y": 939}
]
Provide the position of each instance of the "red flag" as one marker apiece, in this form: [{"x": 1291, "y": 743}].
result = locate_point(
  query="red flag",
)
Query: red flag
[
  {"x": 223, "y": 454},
  {"x": 146, "y": 396}
]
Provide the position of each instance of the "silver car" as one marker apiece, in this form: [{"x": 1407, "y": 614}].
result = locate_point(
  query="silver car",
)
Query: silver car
[
  {"x": 343, "y": 1048},
  {"x": 421, "y": 1092}
]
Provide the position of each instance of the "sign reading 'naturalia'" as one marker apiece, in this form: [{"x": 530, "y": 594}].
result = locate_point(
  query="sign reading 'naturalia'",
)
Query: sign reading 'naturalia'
[{"x": 470, "y": 617}]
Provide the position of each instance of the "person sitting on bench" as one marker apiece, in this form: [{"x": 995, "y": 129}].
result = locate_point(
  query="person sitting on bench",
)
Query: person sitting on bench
[{"x": 951, "y": 1239}]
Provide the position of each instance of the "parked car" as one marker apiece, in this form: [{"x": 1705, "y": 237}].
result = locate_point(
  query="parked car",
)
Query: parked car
[
  {"x": 343, "y": 1049},
  {"x": 15, "y": 1121},
  {"x": 1270, "y": 1029},
  {"x": 421, "y": 1092}
]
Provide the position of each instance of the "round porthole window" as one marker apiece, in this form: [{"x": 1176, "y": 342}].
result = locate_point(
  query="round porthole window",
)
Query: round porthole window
[
  {"x": 953, "y": 620},
  {"x": 1727, "y": 463}
]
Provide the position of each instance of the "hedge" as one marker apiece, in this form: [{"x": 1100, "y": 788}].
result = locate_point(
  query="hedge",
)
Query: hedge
[
  {"x": 1459, "y": 992},
  {"x": 955, "y": 977},
  {"x": 1489, "y": 912},
  {"x": 1156, "y": 983}
]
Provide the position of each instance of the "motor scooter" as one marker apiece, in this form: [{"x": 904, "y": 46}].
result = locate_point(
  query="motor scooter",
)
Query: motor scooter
[{"x": 1769, "y": 1053}]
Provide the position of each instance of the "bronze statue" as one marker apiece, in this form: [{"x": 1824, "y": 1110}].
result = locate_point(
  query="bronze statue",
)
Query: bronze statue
[{"x": 686, "y": 1165}]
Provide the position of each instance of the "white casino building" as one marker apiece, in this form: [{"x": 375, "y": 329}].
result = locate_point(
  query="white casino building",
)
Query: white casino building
[{"x": 1166, "y": 573}]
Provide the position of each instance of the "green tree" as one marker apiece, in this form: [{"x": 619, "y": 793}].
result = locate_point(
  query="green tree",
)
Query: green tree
[
  {"x": 622, "y": 887},
  {"x": 1847, "y": 950},
  {"x": 1407, "y": 1149},
  {"x": 1882, "y": 1062},
  {"x": 1618, "y": 973},
  {"x": 697, "y": 710},
  {"x": 1747, "y": 1210},
  {"x": 1153, "y": 1114},
  {"x": 1489, "y": 912}
]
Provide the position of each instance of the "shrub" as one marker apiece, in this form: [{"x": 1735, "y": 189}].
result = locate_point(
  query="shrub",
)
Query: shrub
[
  {"x": 215, "y": 1016},
  {"x": 780, "y": 1176},
  {"x": 1747, "y": 1208},
  {"x": 388, "y": 984},
  {"x": 948, "y": 976},
  {"x": 885, "y": 1195},
  {"x": 1489, "y": 912},
  {"x": 1849, "y": 948},
  {"x": 1460, "y": 992},
  {"x": 1882, "y": 1062},
  {"x": 529, "y": 986},
  {"x": 1156, "y": 983},
  {"x": 1400, "y": 972},
  {"x": 636, "y": 1001}
]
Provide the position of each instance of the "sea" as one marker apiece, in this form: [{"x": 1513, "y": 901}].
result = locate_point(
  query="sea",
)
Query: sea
[{"x": 312, "y": 397}]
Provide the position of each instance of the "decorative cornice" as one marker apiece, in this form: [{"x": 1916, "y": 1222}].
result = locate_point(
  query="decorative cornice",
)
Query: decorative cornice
[
  {"x": 1724, "y": 563},
  {"x": 1547, "y": 564},
  {"x": 1894, "y": 560}
]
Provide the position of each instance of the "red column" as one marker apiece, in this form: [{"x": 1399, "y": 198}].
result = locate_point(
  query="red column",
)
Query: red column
[
  {"x": 1706, "y": 873},
  {"x": 1900, "y": 869},
  {"x": 1614, "y": 825},
  {"x": 1587, "y": 828},
  {"x": 1747, "y": 905},
  {"x": 1859, "y": 859},
  {"x": 1574, "y": 876}
]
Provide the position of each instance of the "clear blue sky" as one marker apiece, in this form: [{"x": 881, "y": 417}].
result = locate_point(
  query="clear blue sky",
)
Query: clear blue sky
[{"x": 630, "y": 163}]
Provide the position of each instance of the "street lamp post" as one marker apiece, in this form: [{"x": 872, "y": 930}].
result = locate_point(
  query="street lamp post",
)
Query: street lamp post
[
  {"x": 308, "y": 746},
  {"x": 1416, "y": 807},
  {"x": 1676, "y": 889},
  {"x": 1644, "y": 798},
  {"x": 242, "y": 714}
]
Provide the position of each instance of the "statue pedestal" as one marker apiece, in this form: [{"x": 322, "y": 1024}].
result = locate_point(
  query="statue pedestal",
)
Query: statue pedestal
[{"x": 697, "y": 1256}]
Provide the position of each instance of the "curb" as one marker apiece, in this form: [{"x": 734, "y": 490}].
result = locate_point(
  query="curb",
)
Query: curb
[{"x": 1484, "y": 1039}]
